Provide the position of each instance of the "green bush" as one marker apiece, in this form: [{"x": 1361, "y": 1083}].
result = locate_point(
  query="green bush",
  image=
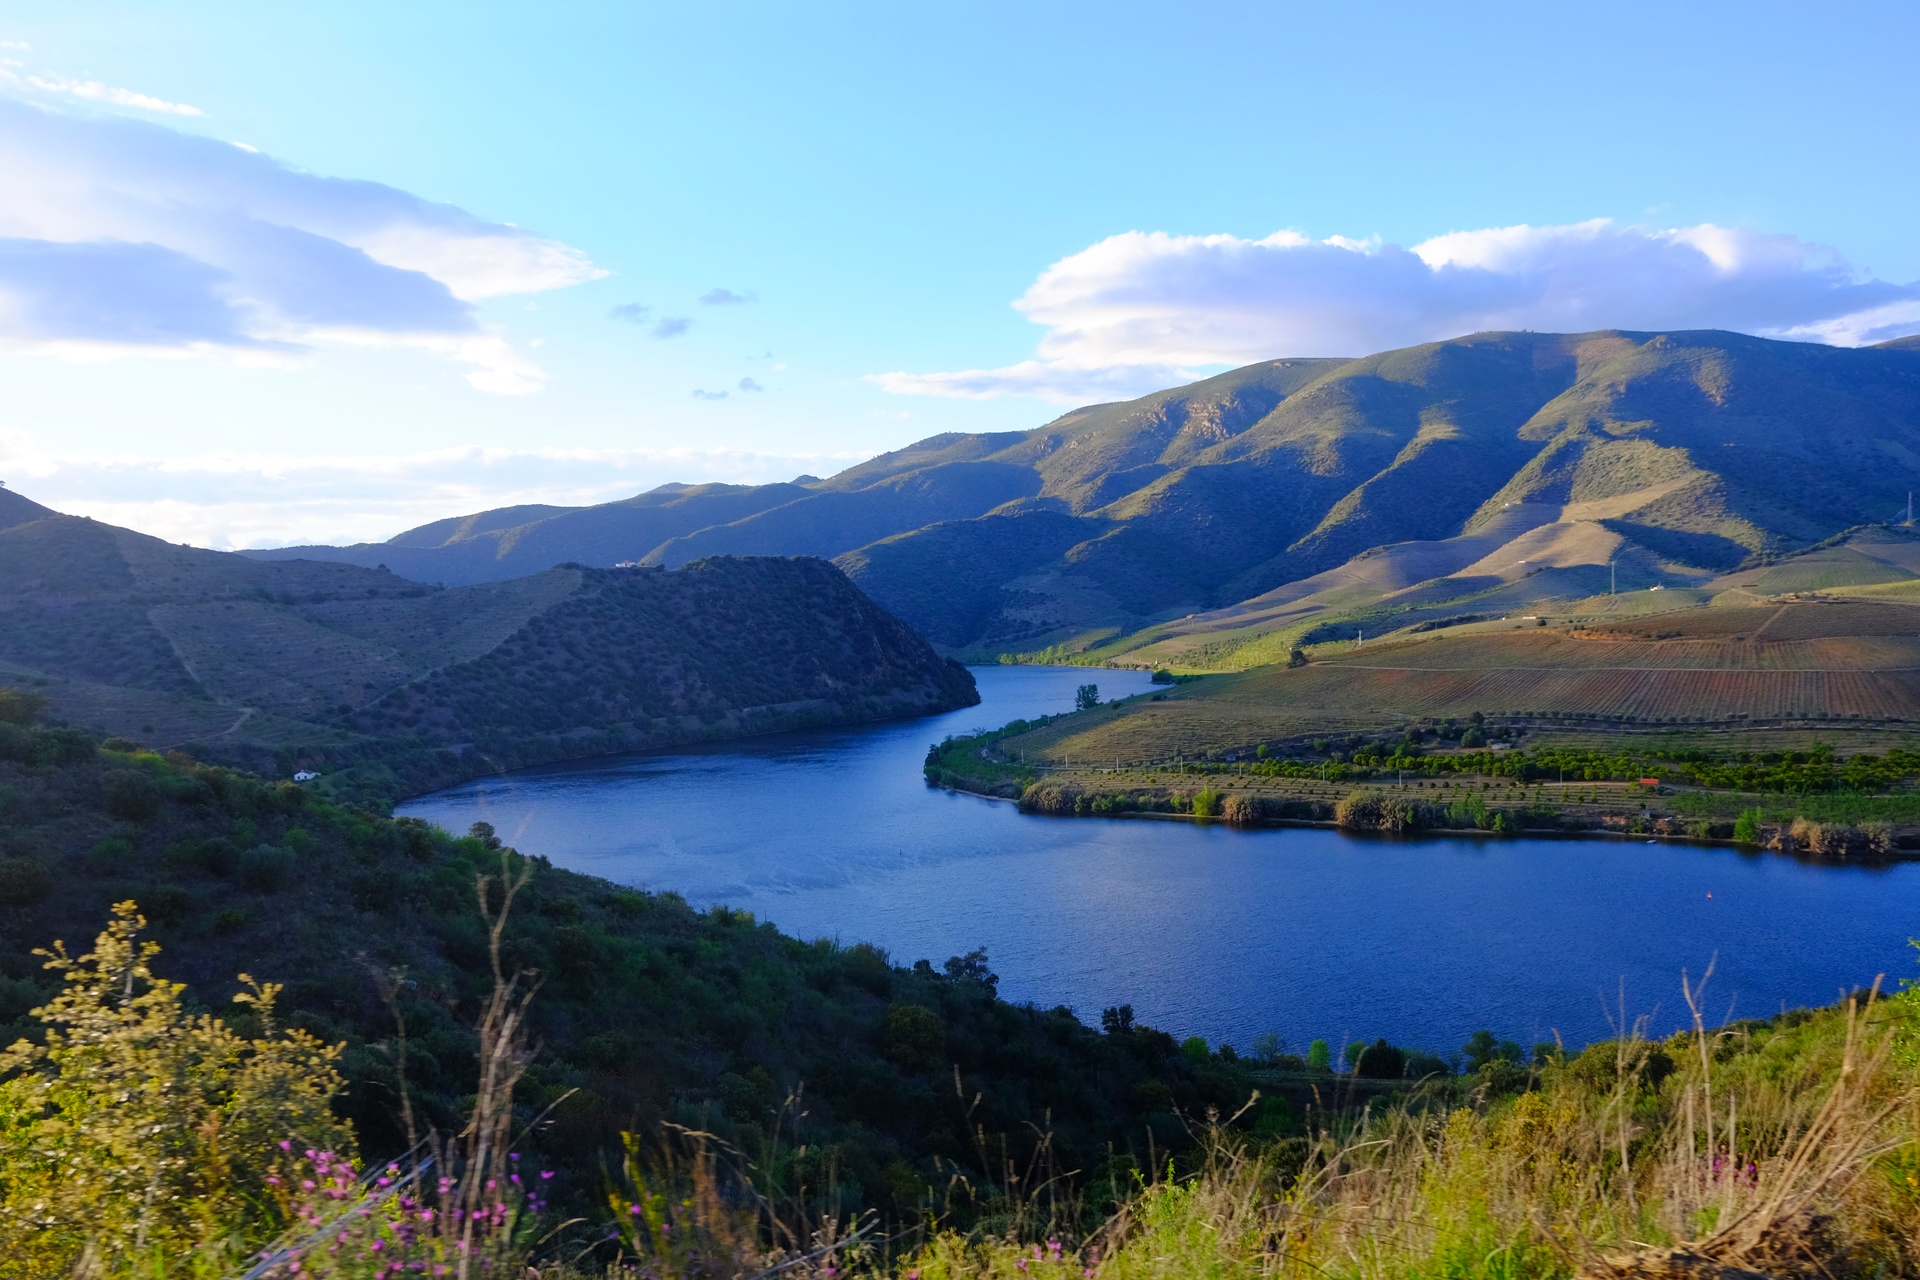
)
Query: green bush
[
  {"x": 111, "y": 854},
  {"x": 1746, "y": 828},
  {"x": 913, "y": 1036},
  {"x": 23, "y": 882},
  {"x": 21, "y": 706},
  {"x": 131, "y": 796},
  {"x": 265, "y": 868}
]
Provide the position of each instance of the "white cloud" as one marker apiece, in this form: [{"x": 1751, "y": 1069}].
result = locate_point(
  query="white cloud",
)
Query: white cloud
[
  {"x": 232, "y": 499},
  {"x": 94, "y": 91},
  {"x": 119, "y": 236},
  {"x": 1140, "y": 310}
]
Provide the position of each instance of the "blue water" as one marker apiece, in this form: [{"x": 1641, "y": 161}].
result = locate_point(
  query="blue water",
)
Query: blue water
[{"x": 1204, "y": 929}]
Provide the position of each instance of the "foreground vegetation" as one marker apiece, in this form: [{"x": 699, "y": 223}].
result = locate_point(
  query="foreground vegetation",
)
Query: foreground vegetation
[{"x": 140, "y": 1137}]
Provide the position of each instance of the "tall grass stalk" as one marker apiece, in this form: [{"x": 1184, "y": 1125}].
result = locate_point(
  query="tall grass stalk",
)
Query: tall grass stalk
[{"x": 1785, "y": 1151}]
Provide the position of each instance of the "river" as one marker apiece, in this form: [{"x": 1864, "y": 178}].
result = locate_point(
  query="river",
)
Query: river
[{"x": 1204, "y": 929}]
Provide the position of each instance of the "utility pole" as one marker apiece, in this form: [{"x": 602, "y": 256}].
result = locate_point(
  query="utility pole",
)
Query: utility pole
[{"x": 1613, "y": 578}]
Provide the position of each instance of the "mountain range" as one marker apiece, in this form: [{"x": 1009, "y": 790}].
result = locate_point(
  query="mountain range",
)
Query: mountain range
[{"x": 1470, "y": 463}]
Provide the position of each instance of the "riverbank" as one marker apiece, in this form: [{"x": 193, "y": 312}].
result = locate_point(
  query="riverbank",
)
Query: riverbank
[
  {"x": 1494, "y": 792},
  {"x": 380, "y": 772}
]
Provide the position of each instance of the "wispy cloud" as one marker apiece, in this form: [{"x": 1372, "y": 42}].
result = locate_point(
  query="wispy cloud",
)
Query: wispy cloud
[
  {"x": 631, "y": 312},
  {"x": 709, "y": 395},
  {"x": 120, "y": 236},
  {"x": 671, "y": 326},
  {"x": 94, "y": 91},
  {"x": 748, "y": 384},
  {"x": 718, "y": 297},
  {"x": 234, "y": 499},
  {"x": 1141, "y": 310}
]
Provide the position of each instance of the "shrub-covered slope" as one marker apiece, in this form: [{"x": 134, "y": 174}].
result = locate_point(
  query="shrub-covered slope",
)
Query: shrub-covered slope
[
  {"x": 279, "y": 664},
  {"x": 648, "y": 1010}
]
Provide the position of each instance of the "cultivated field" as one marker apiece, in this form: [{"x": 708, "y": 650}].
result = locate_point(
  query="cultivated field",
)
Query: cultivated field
[{"x": 1808, "y": 663}]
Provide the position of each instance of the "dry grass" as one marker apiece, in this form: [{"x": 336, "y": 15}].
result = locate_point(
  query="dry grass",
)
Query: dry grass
[{"x": 1752, "y": 1151}]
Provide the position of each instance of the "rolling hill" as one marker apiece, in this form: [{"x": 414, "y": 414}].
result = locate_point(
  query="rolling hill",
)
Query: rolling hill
[
  {"x": 276, "y": 664},
  {"x": 1212, "y": 523}
]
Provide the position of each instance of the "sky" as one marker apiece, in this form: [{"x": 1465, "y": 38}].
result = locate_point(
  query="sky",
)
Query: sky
[{"x": 287, "y": 273}]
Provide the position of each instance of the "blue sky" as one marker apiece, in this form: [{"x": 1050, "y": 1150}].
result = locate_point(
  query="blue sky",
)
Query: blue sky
[{"x": 559, "y": 233}]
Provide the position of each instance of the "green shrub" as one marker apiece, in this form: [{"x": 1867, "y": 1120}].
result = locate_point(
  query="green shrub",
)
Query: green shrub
[
  {"x": 913, "y": 1037},
  {"x": 23, "y": 882},
  {"x": 21, "y": 706},
  {"x": 1206, "y": 804},
  {"x": 265, "y": 868},
  {"x": 111, "y": 854},
  {"x": 130, "y": 795},
  {"x": 1746, "y": 828}
]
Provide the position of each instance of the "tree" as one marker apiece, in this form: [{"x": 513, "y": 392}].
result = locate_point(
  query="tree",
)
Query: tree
[
  {"x": 1319, "y": 1056},
  {"x": 1117, "y": 1020},
  {"x": 1484, "y": 1047},
  {"x": 1380, "y": 1061},
  {"x": 1746, "y": 827},
  {"x": 1086, "y": 697},
  {"x": 1194, "y": 1049},
  {"x": 972, "y": 967}
]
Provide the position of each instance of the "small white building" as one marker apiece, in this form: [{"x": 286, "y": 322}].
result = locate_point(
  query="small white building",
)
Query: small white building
[{"x": 305, "y": 775}]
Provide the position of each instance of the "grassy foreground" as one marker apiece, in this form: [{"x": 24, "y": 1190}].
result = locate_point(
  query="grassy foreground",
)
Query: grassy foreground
[{"x": 139, "y": 1137}]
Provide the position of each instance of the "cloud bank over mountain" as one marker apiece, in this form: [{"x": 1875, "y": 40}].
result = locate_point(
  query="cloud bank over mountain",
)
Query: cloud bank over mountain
[
  {"x": 120, "y": 236},
  {"x": 274, "y": 496},
  {"x": 1145, "y": 309}
]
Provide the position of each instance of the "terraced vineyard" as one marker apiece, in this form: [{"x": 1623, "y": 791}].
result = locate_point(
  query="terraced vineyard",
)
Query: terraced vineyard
[{"x": 1799, "y": 662}]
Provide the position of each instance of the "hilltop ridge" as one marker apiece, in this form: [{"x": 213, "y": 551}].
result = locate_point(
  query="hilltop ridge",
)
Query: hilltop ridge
[
  {"x": 302, "y": 663},
  {"x": 1673, "y": 456}
]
